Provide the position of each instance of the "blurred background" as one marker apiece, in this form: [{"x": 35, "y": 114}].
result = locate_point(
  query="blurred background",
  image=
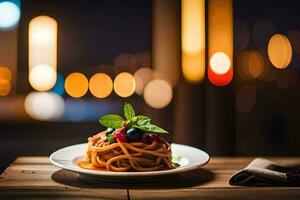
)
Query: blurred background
[{"x": 220, "y": 75}]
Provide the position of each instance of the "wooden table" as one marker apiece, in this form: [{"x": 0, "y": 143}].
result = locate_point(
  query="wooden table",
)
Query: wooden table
[{"x": 36, "y": 178}]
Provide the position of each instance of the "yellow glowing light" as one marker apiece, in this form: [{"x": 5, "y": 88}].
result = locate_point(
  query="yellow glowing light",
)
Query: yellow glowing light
[
  {"x": 280, "y": 51},
  {"x": 124, "y": 84},
  {"x": 5, "y": 74},
  {"x": 142, "y": 76},
  {"x": 220, "y": 63},
  {"x": 76, "y": 85},
  {"x": 43, "y": 42},
  {"x": 44, "y": 105},
  {"x": 158, "y": 93},
  {"x": 5, "y": 87},
  {"x": 193, "y": 40},
  {"x": 42, "y": 77},
  {"x": 101, "y": 85}
]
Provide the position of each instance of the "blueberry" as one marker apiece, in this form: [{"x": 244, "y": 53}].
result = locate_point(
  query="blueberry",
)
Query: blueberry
[
  {"x": 133, "y": 135},
  {"x": 109, "y": 130}
]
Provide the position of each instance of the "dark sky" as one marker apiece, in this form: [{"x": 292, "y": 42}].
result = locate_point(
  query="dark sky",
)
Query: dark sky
[{"x": 284, "y": 14}]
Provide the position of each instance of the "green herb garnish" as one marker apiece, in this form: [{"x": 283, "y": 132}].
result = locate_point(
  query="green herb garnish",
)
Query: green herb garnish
[
  {"x": 132, "y": 121},
  {"x": 110, "y": 138},
  {"x": 111, "y": 121}
]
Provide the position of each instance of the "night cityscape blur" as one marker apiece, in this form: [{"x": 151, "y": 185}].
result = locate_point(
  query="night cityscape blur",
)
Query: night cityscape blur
[{"x": 220, "y": 75}]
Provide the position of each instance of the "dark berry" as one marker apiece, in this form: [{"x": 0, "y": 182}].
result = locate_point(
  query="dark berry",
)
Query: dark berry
[{"x": 133, "y": 135}]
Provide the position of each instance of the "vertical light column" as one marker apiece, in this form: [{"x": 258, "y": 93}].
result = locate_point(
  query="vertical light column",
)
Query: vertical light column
[
  {"x": 42, "y": 53},
  {"x": 220, "y": 42},
  {"x": 193, "y": 40},
  {"x": 166, "y": 39}
]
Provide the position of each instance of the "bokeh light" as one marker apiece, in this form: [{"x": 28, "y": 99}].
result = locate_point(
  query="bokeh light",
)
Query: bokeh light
[
  {"x": 242, "y": 65},
  {"x": 76, "y": 110},
  {"x": 255, "y": 64},
  {"x": 220, "y": 63},
  {"x": 193, "y": 40},
  {"x": 245, "y": 99},
  {"x": 9, "y": 15},
  {"x": 142, "y": 76},
  {"x": 124, "y": 84},
  {"x": 158, "y": 93},
  {"x": 280, "y": 51},
  {"x": 250, "y": 64},
  {"x": 76, "y": 85},
  {"x": 44, "y": 105},
  {"x": 42, "y": 42},
  {"x": 5, "y": 73},
  {"x": 220, "y": 42},
  {"x": 5, "y": 87},
  {"x": 5, "y": 78},
  {"x": 101, "y": 85},
  {"x": 42, "y": 77},
  {"x": 59, "y": 87}
]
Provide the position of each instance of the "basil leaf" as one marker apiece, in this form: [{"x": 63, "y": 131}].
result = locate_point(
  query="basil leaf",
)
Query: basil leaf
[
  {"x": 112, "y": 121},
  {"x": 142, "y": 120},
  {"x": 150, "y": 128},
  {"x": 128, "y": 111},
  {"x": 129, "y": 124}
]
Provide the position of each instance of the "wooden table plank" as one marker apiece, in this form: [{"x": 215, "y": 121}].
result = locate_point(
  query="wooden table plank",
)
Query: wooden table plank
[
  {"x": 44, "y": 194},
  {"x": 218, "y": 193},
  {"x": 211, "y": 182},
  {"x": 37, "y": 178},
  {"x": 34, "y": 178},
  {"x": 32, "y": 160}
]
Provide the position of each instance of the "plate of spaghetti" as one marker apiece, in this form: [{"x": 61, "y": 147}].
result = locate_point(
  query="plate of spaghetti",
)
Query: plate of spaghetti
[{"x": 129, "y": 149}]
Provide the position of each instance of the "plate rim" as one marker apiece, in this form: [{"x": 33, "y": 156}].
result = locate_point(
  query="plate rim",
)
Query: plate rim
[{"x": 129, "y": 174}]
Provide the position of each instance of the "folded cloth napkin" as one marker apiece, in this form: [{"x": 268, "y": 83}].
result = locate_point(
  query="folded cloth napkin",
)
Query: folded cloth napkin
[{"x": 262, "y": 172}]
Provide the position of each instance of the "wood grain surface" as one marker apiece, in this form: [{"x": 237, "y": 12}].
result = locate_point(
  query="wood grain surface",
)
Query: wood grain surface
[{"x": 37, "y": 178}]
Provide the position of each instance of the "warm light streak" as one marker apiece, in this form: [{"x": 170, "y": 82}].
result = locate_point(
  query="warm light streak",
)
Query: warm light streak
[
  {"x": 193, "y": 40},
  {"x": 220, "y": 39},
  {"x": 42, "y": 51}
]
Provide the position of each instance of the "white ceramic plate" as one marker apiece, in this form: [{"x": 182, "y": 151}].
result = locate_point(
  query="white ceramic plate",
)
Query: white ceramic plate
[{"x": 187, "y": 157}]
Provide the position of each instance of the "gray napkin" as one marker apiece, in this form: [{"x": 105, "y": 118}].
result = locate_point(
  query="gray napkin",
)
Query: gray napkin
[{"x": 262, "y": 172}]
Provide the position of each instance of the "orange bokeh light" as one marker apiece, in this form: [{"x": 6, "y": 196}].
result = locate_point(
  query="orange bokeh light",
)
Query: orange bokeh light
[
  {"x": 124, "y": 84},
  {"x": 76, "y": 85},
  {"x": 101, "y": 85},
  {"x": 5, "y": 78}
]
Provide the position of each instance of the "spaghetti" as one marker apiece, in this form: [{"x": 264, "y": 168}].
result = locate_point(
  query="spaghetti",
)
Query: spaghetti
[{"x": 127, "y": 156}]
